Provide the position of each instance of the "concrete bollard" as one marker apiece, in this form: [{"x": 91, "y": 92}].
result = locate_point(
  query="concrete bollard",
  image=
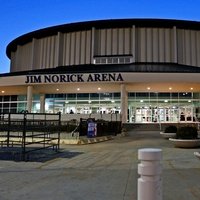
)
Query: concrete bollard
[{"x": 150, "y": 181}]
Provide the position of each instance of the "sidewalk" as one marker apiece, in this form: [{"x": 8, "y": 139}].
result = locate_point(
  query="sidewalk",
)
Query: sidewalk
[{"x": 101, "y": 171}]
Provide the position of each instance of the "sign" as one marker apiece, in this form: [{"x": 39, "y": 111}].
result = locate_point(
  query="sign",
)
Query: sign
[{"x": 70, "y": 78}]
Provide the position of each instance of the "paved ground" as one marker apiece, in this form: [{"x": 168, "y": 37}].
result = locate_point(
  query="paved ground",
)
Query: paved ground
[{"x": 102, "y": 171}]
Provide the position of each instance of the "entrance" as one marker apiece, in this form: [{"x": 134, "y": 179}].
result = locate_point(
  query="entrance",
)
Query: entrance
[{"x": 161, "y": 114}]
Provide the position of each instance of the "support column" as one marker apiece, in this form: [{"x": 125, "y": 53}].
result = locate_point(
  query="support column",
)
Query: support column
[
  {"x": 124, "y": 103},
  {"x": 42, "y": 103},
  {"x": 29, "y": 98}
]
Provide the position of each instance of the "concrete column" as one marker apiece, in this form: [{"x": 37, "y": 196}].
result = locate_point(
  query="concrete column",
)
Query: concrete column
[
  {"x": 42, "y": 103},
  {"x": 124, "y": 103},
  {"x": 150, "y": 182},
  {"x": 29, "y": 98}
]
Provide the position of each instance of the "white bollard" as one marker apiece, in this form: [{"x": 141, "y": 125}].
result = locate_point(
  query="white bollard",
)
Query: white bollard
[{"x": 150, "y": 181}]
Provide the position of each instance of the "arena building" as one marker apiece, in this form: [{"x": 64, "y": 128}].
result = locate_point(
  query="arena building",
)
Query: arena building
[{"x": 143, "y": 70}]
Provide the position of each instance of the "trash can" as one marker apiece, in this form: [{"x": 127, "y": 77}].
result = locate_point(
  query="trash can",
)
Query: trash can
[{"x": 92, "y": 128}]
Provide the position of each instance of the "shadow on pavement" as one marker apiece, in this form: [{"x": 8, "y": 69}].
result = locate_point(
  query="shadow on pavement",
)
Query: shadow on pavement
[{"x": 43, "y": 155}]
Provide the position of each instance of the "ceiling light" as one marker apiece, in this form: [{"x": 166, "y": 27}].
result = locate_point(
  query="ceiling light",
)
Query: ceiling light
[
  {"x": 191, "y": 88},
  {"x": 141, "y": 101},
  {"x": 78, "y": 89},
  {"x": 148, "y": 88},
  {"x": 57, "y": 89},
  {"x": 99, "y": 88},
  {"x": 170, "y": 88},
  {"x": 2, "y": 91}
]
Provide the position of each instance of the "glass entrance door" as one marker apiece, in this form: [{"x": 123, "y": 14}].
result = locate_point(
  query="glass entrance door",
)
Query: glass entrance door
[
  {"x": 161, "y": 114},
  {"x": 186, "y": 114}
]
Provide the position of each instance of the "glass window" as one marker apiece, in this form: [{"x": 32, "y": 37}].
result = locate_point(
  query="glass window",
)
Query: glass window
[
  {"x": 131, "y": 94},
  {"x": 14, "y": 98},
  {"x": 185, "y": 95},
  {"x": 60, "y": 96},
  {"x": 71, "y": 96},
  {"x": 94, "y": 96},
  {"x": 153, "y": 95},
  {"x": 164, "y": 95},
  {"x": 174, "y": 95},
  {"x": 6, "y": 98},
  {"x": 116, "y": 95},
  {"x": 83, "y": 96},
  {"x": 195, "y": 95},
  {"x": 142, "y": 95}
]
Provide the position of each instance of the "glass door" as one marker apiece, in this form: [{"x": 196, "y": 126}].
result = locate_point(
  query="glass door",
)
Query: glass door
[{"x": 186, "y": 114}]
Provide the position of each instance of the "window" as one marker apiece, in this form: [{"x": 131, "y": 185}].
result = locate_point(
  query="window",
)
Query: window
[{"x": 102, "y": 60}]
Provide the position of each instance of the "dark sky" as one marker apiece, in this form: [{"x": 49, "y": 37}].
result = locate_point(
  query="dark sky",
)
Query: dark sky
[{"x": 18, "y": 17}]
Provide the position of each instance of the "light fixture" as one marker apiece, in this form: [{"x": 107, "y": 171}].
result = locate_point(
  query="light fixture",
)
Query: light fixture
[
  {"x": 189, "y": 101},
  {"x": 148, "y": 88},
  {"x": 78, "y": 89},
  {"x": 99, "y": 88},
  {"x": 165, "y": 101},
  {"x": 113, "y": 101},
  {"x": 57, "y": 89},
  {"x": 170, "y": 88},
  {"x": 89, "y": 101},
  {"x": 2, "y": 91},
  {"x": 191, "y": 88},
  {"x": 141, "y": 101}
]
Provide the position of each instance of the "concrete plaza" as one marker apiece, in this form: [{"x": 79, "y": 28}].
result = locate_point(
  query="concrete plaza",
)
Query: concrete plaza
[{"x": 101, "y": 171}]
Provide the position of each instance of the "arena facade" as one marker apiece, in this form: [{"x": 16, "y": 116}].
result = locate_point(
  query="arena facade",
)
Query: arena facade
[{"x": 143, "y": 70}]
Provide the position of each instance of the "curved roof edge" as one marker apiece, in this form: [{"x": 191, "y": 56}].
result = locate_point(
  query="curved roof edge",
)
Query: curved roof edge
[
  {"x": 128, "y": 68},
  {"x": 109, "y": 23}
]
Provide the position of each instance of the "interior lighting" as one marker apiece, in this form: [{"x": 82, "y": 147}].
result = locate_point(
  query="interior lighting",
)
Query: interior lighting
[
  {"x": 148, "y": 88},
  {"x": 78, "y": 89},
  {"x": 113, "y": 101},
  {"x": 99, "y": 88},
  {"x": 89, "y": 101},
  {"x": 165, "y": 101},
  {"x": 170, "y": 88},
  {"x": 189, "y": 101},
  {"x": 191, "y": 88},
  {"x": 2, "y": 91},
  {"x": 141, "y": 101},
  {"x": 57, "y": 89}
]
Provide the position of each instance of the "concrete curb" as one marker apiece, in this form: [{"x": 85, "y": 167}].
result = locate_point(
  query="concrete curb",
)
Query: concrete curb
[{"x": 85, "y": 140}]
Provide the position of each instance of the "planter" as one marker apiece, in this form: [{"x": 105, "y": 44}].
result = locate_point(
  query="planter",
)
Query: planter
[
  {"x": 168, "y": 135},
  {"x": 186, "y": 143}
]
